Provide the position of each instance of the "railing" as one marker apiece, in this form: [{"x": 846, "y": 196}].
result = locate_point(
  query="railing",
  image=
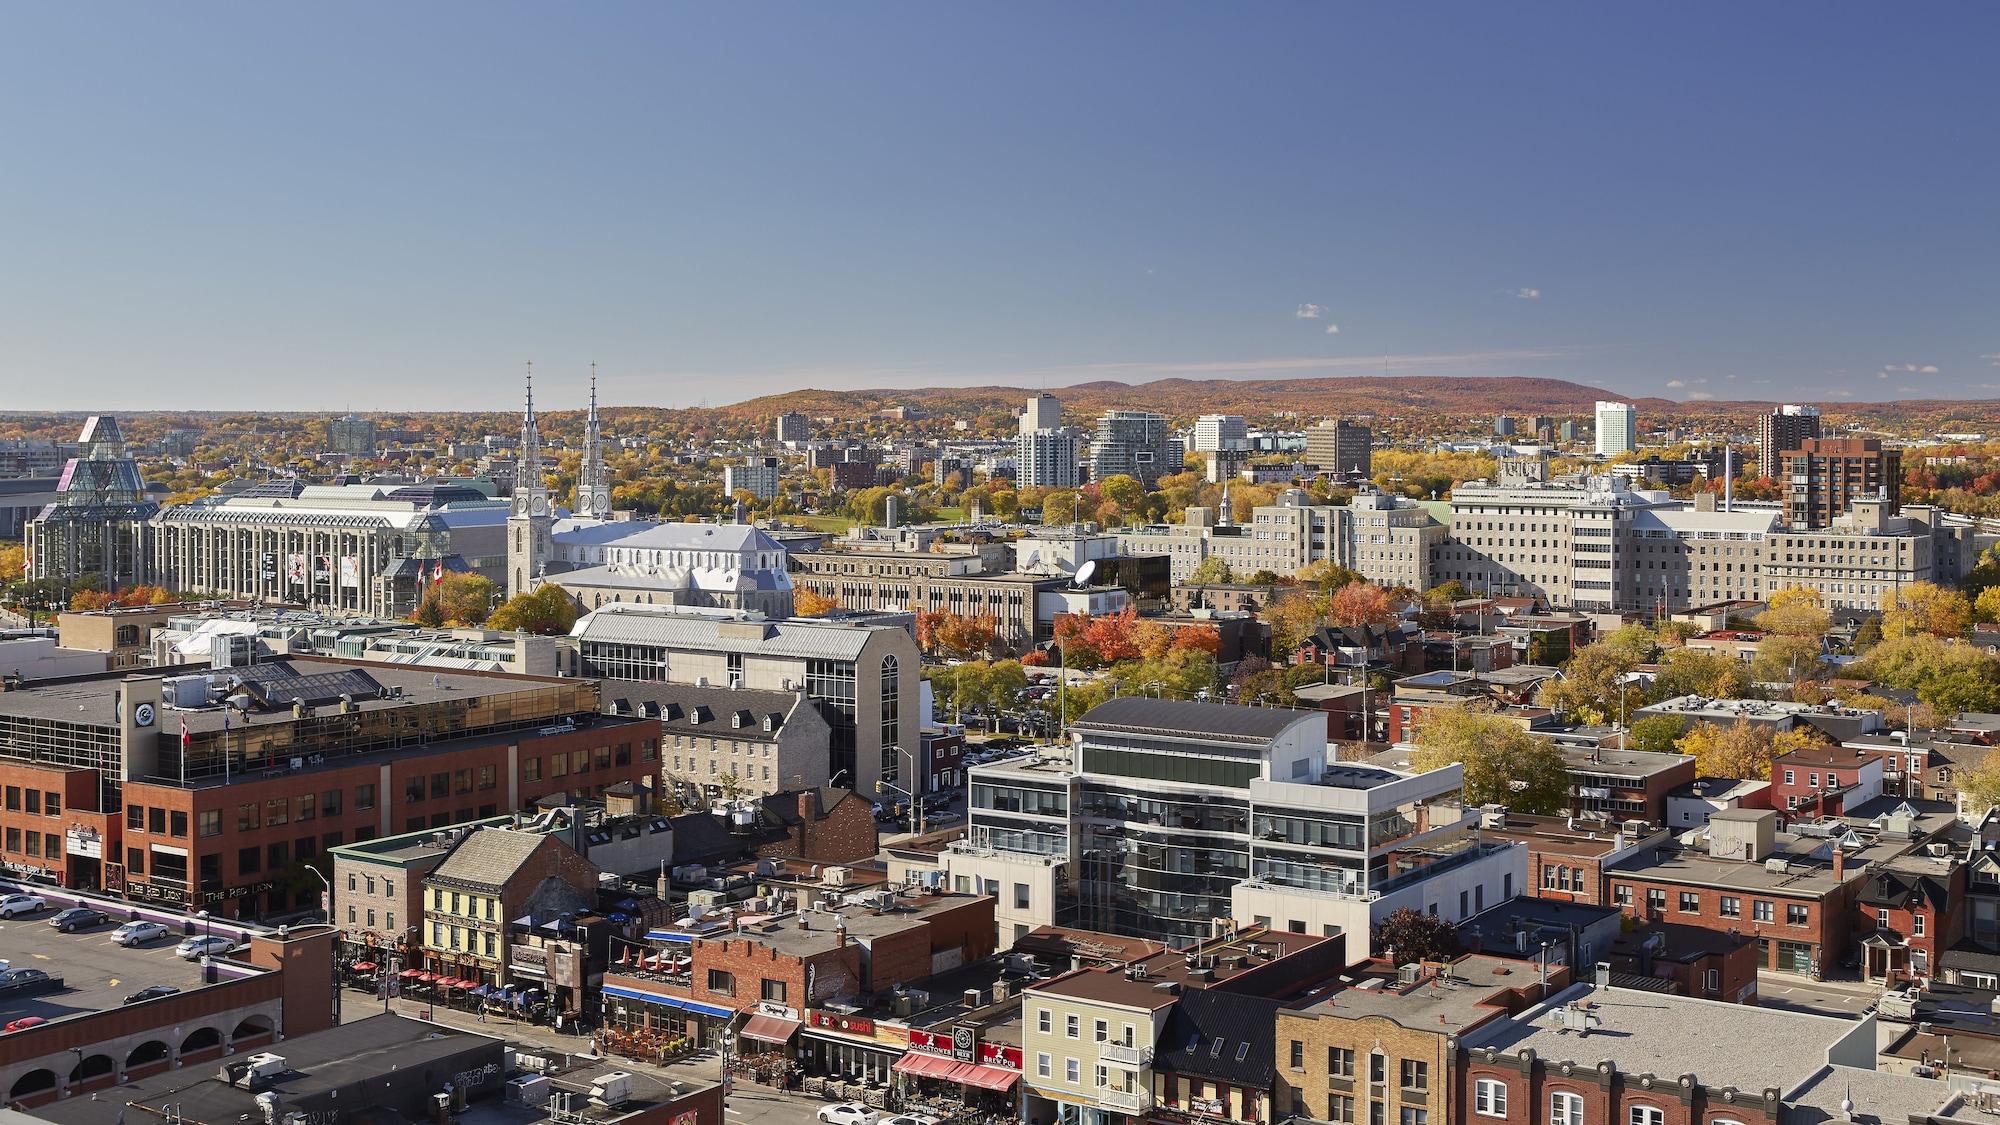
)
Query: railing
[
  {"x": 1120, "y": 1054},
  {"x": 1128, "y": 1101}
]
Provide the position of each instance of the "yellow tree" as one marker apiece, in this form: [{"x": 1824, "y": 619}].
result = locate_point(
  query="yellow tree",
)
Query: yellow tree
[
  {"x": 1987, "y": 608},
  {"x": 1923, "y": 607},
  {"x": 1292, "y": 619},
  {"x": 546, "y": 610},
  {"x": 1504, "y": 764},
  {"x": 1979, "y": 787},
  {"x": 810, "y": 603},
  {"x": 1795, "y": 611},
  {"x": 13, "y": 561},
  {"x": 1739, "y": 750}
]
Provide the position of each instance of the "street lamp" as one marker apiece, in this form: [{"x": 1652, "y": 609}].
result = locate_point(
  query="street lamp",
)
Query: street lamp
[{"x": 727, "y": 1041}]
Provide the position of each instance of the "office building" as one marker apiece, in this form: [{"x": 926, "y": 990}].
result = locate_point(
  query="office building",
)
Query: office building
[
  {"x": 1047, "y": 453},
  {"x": 1387, "y": 539},
  {"x": 757, "y": 476},
  {"x": 1133, "y": 443},
  {"x": 1782, "y": 431},
  {"x": 1617, "y": 429},
  {"x": 1503, "y": 426},
  {"x": 792, "y": 427},
  {"x": 281, "y": 760},
  {"x": 1165, "y": 815},
  {"x": 1567, "y": 542},
  {"x": 911, "y": 581},
  {"x": 1220, "y": 431},
  {"x": 101, "y": 520},
  {"x": 864, "y": 678},
  {"x": 1341, "y": 448},
  {"x": 1860, "y": 558},
  {"x": 1824, "y": 477},
  {"x": 352, "y": 435}
]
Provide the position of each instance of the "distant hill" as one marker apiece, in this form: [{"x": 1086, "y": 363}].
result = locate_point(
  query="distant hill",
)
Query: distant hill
[{"x": 1385, "y": 395}]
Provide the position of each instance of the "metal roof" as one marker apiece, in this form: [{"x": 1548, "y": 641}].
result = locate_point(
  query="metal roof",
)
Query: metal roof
[
  {"x": 649, "y": 625},
  {"x": 1185, "y": 719}
]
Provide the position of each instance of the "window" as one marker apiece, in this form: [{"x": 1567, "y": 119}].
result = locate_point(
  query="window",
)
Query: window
[
  {"x": 351, "y": 882},
  {"x": 1795, "y": 914},
  {"x": 1043, "y": 1063},
  {"x": 1690, "y": 902},
  {"x": 135, "y": 817},
  {"x": 487, "y": 779},
  {"x": 329, "y": 801},
  {"x": 1712, "y": 979},
  {"x": 1100, "y": 1030},
  {"x": 1917, "y": 924},
  {"x": 1760, "y": 910},
  {"x": 156, "y": 819},
  {"x": 1072, "y": 1026},
  {"x": 1415, "y": 1117},
  {"x": 723, "y": 981},
  {"x": 440, "y": 785},
  {"x": 1656, "y": 899},
  {"x": 211, "y": 822},
  {"x": 1340, "y": 1108},
  {"x": 1622, "y": 894},
  {"x": 1072, "y": 1070},
  {"x": 1020, "y": 896},
  {"x": 364, "y": 796},
  {"x": 413, "y": 791},
  {"x": 774, "y": 990},
  {"x": 1416, "y": 1074},
  {"x": 531, "y": 769},
  {"x": 1042, "y": 1022},
  {"x": 1646, "y": 1115},
  {"x": 1489, "y": 1096},
  {"x": 308, "y": 805},
  {"x": 1340, "y": 1062},
  {"x": 52, "y": 806},
  {"x": 1729, "y": 906},
  {"x": 1565, "y": 1108},
  {"x": 277, "y": 810},
  {"x": 1298, "y": 1055},
  {"x": 248, "y": 861},
  {"x": 1378, "y": 1068}
]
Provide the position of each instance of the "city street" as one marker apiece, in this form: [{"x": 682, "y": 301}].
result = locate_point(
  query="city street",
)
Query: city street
[{"x": 1847, "y": 999}]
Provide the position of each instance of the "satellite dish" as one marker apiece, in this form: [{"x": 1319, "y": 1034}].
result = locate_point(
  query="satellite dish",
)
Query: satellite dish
[{"x": 1086, "y": 572}]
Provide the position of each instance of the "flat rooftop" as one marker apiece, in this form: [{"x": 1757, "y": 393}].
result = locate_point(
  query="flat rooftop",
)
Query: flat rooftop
[
  {"x": 323, "y": 1060},
  {"x": 1474, "y": 993},
  {"x": 97, "y": 974},
  {"x": 782, "y": 932},
  {"x": 1668, "y": 1036},
  {"x": 90, "y": 699},
  {"x": 1879, "y": 1098},
  {"x": 1621, "y": 763}
]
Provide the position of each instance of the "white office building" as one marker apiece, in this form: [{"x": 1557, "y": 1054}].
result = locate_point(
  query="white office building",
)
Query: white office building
[
  {"x": 1617, "y": 428},
  {"x": 1220, "y": 431}
]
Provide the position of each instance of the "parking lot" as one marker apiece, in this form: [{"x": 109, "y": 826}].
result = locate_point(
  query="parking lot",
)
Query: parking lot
[{"x": 97, "y": 974}]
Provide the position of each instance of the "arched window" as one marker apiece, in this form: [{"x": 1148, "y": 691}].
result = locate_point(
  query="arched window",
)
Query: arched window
[
  {"x": 1489, "y": 1097},
  {"x": 891, "y": 712}
]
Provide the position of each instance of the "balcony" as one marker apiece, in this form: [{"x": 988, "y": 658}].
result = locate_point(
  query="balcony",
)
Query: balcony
[
  {"x": 1125, "y": 1101},
  {"x": 1120, "y": 1054}
]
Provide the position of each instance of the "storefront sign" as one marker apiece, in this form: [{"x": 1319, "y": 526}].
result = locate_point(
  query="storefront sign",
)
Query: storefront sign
[
  {"x": 965, "y": 1043},
  {"x": 853, "y": 1025},
  {"x": 84, "y": 841},
  {"x": 1000, "y": 1054},
  {"x": 235, "y": 892},
  {"x": 773, "y": 1008},
  {"x": 531, "y": 959},
  {"x": 154, "y": 892}
]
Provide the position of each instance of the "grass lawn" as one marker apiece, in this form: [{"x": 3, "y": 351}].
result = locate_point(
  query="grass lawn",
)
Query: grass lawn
[{"x": 832, "y": 524}]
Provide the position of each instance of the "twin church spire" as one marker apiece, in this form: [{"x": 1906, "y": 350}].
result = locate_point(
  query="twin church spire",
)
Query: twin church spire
[{"x": 593, "y": 484}]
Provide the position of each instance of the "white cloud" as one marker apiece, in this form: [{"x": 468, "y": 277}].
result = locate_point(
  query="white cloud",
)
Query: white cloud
[
  {"x": 1840, "y": 394},
  {"x": 1676, "y": 383},
  {"x": 1698, "y": 395},
  {"x": 1310, "y": 311},
  {"x": 1333, "y": 329},
  {"x": 1700, "y": 382},
  {"x": 1527, "y": 294},
  {"x": 1906, "y": 390},
  {"x": 1928, "y": 369},
  {"x": 1992, "y": 358}
]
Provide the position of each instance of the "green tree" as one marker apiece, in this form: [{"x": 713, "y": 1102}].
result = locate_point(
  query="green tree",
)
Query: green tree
[
  {"x": 1504, "y": 764},
  {"x": 1212, "y": 570},
  {"x": 1656, "y": 734},
  {"x": 1740, "y": 750},
  {"x": 1122, "y": 490},
  {"x": 546, "y": 611}
]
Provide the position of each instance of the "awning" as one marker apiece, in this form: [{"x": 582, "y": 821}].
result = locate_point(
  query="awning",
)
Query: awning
[
  {"x": 926, "y": 1065},
  {"x": 770, "y": 1029},
  {"x": 990, "y": 1077},
  {"x": 363, "y": 966},
  {"x": 410, "y": 974},
  {"x": 669, "y": 935},
  {"x": 695, "y": 1006},
  {"x": 464, "y": 984}
]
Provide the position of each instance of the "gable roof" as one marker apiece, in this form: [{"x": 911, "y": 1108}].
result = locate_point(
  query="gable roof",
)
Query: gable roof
[{"x": 485, "y": 859}]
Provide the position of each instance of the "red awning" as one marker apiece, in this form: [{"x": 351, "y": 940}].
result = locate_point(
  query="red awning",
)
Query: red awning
[
  {"x": 770, "y": 1029},
  {"x": 463, "y": 984},
  {"x": 925, "y": 1065},
  {"x": 364, "y": 966},
  {"x": 410, "y": 974},
  {"x": 426, "y": 978},
  {"x": 989, "y": 1077}
]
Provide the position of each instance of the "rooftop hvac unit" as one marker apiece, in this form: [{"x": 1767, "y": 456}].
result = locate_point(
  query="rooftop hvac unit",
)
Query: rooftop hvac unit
[
  {"x": 610, "y": 1089},
  {"x": 836, "y": 876},
  {"x": 528, "y": 1090}
]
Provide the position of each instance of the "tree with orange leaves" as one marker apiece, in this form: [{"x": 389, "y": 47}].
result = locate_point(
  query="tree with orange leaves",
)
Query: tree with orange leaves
[
  {"x": 1360, "y": 603},
  {"x": 810, "y": 603}
]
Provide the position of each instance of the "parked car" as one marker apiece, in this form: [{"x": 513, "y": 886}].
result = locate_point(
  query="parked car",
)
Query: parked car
[
  {"x": 912, "y": 1119},
  {"x": 22, "y": 1024},
  {"x": 78, "y": 918},
  {"x": 138, "y": 933},
  {"x": 15, "y": 905},
  {"x": 200, "y": 945},
  {"x": 151, "y": 992},
  {"x": 847, "y": 1113},
  {"x": 13, "y": 980}
]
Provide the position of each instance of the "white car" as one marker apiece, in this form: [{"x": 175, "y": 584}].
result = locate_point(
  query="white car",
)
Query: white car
[
  {"x": 912, "y": 1119},
  {"x": 847, "y": 1113},
  {"x": 197, "y": 947},
  {"x": 13, "y": 906},
  {"x": 138, "y": 933}
]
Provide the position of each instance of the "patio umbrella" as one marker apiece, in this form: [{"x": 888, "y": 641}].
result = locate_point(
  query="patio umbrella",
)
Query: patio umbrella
[
  {"x": 363, "y": 966},
  {"x": 410, "y": 974},
  {"x": 464, "y": 985},
  {"x": 483, "y": 991},
  {"x": 625, "y": 956}
]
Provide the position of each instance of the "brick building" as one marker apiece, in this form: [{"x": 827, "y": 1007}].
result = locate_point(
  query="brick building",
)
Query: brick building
[
  {"x": 1596, "y": 1054},
  {"x": 378, "y": 887},
  {"x": 1696, "y": 961},
  {"x": 213, "y": 790},
  {"x": 816, "y": 825},
  {"x": 491, "y": 879},
  {"x": 1566, "y": 857},
  {"x": 1908, "y": 911},
  {"x": 1824, "y": 477},
  {"x": 1825, "y": 780},
  {"x": 697, "y": 978}
]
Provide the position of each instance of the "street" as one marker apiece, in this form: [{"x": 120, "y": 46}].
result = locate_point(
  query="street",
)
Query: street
[
  {"x": 748, "y": 1103},
  {"x": 1847, "y": 999}
]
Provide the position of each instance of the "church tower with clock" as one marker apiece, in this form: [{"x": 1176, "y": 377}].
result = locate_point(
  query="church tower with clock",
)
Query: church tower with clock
[{"x": 531, "y": 518}]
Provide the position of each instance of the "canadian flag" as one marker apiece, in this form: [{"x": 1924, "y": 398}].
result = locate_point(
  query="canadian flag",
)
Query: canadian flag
[
  {"x": 185, "y": 737},
  {"x": 438, "y": 579}
]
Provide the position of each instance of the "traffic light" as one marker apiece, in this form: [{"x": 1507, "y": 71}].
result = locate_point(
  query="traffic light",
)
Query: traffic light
[{"x": 878, "y": 787}]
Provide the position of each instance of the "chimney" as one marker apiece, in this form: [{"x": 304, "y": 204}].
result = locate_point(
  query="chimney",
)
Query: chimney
[
  {"x": 839, "y": 932},
  {"x": 809, "y": 805},
  {"x": 1839, "y": 863}
]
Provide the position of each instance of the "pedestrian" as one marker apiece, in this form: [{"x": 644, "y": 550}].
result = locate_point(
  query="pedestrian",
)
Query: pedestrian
[{"x": 482, "y": 1013}]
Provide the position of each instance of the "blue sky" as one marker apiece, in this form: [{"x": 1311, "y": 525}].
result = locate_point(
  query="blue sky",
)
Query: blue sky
[{"x": 392, "y": 206}]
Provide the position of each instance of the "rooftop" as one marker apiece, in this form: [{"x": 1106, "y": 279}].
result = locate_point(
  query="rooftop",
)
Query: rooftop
[
  {"x": 97, "y": 975},
  {"x": 1182, "y": 719},
  {"x": 669, "y": 627},
  {"x": 1878, "y": 1097},
  {"x": 1474, "y": 992},
  {"x": 1667, "y": 1036},
  {"x": 785, "y": 935}
]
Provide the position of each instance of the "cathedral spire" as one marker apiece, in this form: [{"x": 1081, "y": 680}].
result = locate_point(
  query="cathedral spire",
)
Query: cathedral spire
[
  {"x": 593, "y": 481},
  {"x": 528, "y": 466}
]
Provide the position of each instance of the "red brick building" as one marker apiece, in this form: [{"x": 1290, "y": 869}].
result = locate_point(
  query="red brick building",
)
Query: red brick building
[
  {"x": 694, "y": 980},
  {"x": 1908, "y": 911},
  {"x": 1567, "y": 857},
  {"x": 1825, "y": 781},
  {"x": 1701, "y": 962},
  {"x": 212, "y": 791}
]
